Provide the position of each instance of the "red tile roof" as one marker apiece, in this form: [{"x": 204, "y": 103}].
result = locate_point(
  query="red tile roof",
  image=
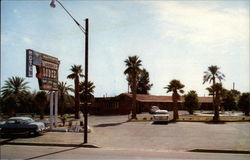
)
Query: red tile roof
[{"x": 205, "y": 99}]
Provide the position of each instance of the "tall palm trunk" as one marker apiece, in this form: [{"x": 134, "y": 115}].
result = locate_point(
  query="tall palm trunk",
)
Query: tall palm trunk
[
  {"x": 77, "y": 98},
  {"x": 175, "y": 107},
  {"x": 134, "y": 97},
  {"x": 215, "y": 104},
  {"x": 216, "y": 108},
  {"x": 213, "y": 96}
]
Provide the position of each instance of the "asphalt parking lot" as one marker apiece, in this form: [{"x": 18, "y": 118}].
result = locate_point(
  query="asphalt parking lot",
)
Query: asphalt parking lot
[{"x": 115, "y": 132}]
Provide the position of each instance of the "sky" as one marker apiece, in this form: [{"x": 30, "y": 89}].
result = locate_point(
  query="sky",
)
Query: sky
[{"x": 174, "y": 39}]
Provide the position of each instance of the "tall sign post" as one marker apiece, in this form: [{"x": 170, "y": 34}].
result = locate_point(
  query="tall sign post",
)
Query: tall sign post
[{"x": 47, "y": 75}]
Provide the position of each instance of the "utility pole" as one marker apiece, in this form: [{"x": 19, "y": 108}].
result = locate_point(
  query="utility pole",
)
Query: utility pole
[
  {"x": 86, "y": 81},
  {"x": 86, "y": 32}
]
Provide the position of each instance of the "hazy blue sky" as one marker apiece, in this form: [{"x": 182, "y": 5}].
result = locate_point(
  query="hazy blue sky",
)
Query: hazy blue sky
[{"x": 174, "y": 40}]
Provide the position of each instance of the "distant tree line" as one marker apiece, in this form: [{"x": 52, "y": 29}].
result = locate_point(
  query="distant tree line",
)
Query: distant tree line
[
  {"x": 229, "y": 101},
  {"x": 138, "y": 81},
  {"x": 15, "y": 96}
]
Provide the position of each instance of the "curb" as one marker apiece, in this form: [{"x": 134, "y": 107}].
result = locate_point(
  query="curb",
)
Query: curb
[
  {"x": 211, "y": 121},
  {"x": 94, "y": 146},
  {"x": 220, "y": 151},
  {"x": 52, "y": 144}
]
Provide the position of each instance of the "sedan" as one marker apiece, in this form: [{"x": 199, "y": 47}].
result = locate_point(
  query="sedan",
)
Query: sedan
[
  {"x": 17, "y": 125},
  {"x": 161, "y": 116}
]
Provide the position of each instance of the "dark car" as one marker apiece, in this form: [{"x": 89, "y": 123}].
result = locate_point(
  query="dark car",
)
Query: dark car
[{"x": 21, "y": 125}]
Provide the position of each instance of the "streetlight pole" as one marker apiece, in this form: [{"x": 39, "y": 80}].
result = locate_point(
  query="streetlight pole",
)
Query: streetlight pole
[
  {"x": 86, "y": 80},
  {"x": 86, "y": 33}
]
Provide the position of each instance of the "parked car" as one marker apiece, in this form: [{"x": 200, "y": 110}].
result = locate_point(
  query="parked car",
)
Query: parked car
[
  {"x": 153, "y": 109},
  {"x": 21, "y": 125},
  {"x": 161, "y": 116}
]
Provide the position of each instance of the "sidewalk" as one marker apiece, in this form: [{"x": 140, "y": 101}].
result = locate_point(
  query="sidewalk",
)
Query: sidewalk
[{"x": 64, "y": 139}]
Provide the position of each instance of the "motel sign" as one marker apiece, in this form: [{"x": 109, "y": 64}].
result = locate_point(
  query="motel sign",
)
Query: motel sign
[{"x": 46, "y": 69}]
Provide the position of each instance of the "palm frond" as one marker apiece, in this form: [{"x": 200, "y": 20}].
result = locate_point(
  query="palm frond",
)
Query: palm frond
[
  {"x": 174, "y": 86},
  {"x": 71, "y": 76},
  {"x": 213, "y": 73}
]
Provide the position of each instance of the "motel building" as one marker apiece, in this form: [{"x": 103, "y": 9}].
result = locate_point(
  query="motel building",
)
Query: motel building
[{"x": 121, "y": 104}]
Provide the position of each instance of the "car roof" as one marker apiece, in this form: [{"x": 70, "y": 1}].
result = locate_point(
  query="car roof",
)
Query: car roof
[
  {"x": 161, "y": 111},
  {"x": 19, "y": 118},
  {"x": 154, "y": 107}
]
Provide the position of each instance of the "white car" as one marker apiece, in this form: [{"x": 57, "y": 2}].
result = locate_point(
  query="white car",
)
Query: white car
[{"x": 161, "y": 116}]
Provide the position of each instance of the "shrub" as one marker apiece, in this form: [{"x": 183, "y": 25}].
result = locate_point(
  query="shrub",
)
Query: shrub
[{"x": 191, "y": 101}]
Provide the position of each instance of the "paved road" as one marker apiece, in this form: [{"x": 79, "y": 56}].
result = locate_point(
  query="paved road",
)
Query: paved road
[{"x": 35, "y": 152}]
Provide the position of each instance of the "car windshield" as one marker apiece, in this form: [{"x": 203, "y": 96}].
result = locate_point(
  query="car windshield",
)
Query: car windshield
[
  {"x": 19, "y": 121},
  {"x": 11, "y": 121},
  {"x": 28, "y": 121}
]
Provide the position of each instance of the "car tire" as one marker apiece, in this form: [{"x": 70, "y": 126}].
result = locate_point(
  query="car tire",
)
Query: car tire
[
  {"x": 3, "y": 135},
  {"x": 33, "y": 134},
  {"x": 38, "y": 133},
  {"x": 30, "y": 134}
]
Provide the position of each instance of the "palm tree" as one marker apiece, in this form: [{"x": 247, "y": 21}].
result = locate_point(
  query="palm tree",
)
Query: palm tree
[
  {"x": 219, "y": 91},
  {"x": 143, "y": 82},
  {"x": 76, "y": 74},
  {"x": 63, "y": 90},
  {"x": 12, "y": 91},
  {"x": 133, "y": 64},
  {"x": 175, "y": 86},
  {"x": 211, "y": 75},
  {"x": 42, "y": 101},
  {"x": 90, "y": 93}
]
